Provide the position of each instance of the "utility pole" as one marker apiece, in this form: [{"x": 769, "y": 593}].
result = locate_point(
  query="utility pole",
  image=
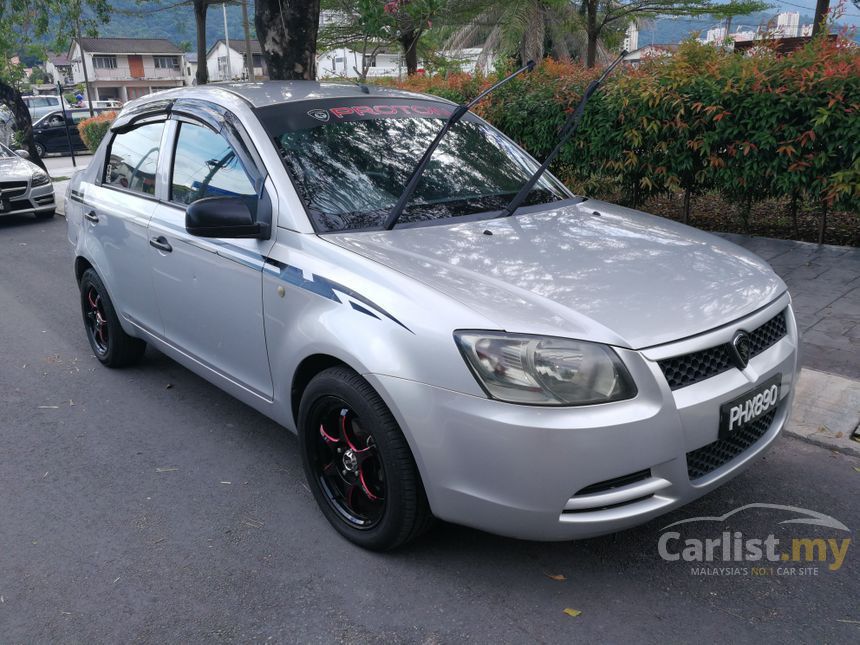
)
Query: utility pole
[
  {"x": 227, "y": 42},
  {"x": 84, "y": 63},
  {"x": 249, "y": 57}
]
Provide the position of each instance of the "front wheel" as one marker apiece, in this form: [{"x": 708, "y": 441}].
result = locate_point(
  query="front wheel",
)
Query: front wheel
[
  {"x": 111, "y": 345},
  {"x": 40, "y": 149},
  {"x": 358, "y": 464}
]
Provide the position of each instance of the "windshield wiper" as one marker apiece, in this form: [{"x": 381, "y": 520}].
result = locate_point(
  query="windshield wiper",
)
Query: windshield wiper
[
  {"x": 567, "y": 131},
  {"x": 395, "y": 213}
]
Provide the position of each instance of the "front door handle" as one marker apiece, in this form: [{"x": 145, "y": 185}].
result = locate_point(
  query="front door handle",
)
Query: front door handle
[
  {"x": 160, "y": 243},
  {"x": 92, "y": 217}
]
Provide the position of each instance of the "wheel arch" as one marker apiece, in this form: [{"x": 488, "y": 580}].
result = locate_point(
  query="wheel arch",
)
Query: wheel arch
[
  {"x": 305, "y": 372},
  {"x": 81, "y": 265}
]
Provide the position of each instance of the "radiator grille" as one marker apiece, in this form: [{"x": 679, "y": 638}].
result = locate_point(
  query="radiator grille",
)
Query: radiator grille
[{"x": 681, "y": 371}]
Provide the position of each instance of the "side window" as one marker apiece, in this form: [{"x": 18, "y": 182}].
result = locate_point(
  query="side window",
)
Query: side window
[
  {"x": 133, "y": 157},
  {"x": 205, "y": 165}
]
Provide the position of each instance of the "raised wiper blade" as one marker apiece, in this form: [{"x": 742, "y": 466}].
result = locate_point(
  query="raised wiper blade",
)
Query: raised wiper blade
[
  {"x": 567, "y": 131},
  {"x": 456, "y": 115}
]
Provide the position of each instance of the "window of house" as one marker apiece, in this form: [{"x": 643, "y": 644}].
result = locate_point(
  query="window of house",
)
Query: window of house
[
  {"x": 166, "y": 62},
  {"x": 132, "y": 159},
  {"x": 137, "y": 92},
  {"x": 205, "y": 165},
  {"x": 104, "y": 62},
  {"x": 222, "y": 63},
  {"x": 257, "y": 60}
]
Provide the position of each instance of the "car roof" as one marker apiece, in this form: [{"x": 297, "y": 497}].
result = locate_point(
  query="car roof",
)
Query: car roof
[{"x": 267, "y": 93}]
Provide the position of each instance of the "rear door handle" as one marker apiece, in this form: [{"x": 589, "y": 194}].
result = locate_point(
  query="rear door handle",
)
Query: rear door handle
[
  {"x": 92, "y": 217},
  {"x": 160, "y": 243}
]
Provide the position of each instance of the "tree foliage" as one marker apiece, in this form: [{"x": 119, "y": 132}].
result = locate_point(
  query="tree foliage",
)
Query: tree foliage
[{"x": 25, "y": 21}]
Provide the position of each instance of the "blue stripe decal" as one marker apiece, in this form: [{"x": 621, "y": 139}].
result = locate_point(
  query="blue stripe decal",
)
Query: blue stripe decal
[
  {"x": 327, "y": 288},
  {"x": 358, "y": 307}
]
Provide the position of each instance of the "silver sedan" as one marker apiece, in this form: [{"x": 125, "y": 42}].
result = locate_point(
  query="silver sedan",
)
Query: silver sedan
[
  {"x": 25, "y": 188},
  {"x": 569, "y": 370}
]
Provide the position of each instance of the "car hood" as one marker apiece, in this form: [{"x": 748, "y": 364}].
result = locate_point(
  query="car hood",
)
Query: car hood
[
  {"x": 589, "y": 270},
  {"x": 15, "y": 169}
]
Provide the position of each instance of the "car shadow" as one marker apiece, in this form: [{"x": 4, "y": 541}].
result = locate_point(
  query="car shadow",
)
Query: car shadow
[{"x": 13, "y": 221}]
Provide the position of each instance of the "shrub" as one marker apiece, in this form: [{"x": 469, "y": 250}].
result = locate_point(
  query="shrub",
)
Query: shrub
[
  {"x": 94, "y": 129},
  {"x": 749, "y": 127}
]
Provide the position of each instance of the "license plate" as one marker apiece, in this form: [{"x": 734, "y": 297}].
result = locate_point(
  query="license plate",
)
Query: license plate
[{"x": 749, "y": 406}]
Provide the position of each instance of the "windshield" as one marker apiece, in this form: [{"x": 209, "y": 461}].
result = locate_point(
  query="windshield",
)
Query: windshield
[{"x": 351, "y": 163}]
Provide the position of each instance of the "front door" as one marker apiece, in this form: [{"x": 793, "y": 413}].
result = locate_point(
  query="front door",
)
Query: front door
[
  {"x": 135, "y": 66},
  {"x": 209, "y": 290}
]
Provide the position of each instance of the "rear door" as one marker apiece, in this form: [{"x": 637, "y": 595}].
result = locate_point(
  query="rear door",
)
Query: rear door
[
  {"x": 117, "y": 212},
  {"x": 209, "y": 290}
]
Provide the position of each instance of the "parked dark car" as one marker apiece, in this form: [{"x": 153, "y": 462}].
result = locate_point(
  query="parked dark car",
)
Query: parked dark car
[{"x": 49, "y": 132}]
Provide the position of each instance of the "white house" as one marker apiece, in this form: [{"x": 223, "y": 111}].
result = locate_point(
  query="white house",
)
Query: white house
[
  {"x": 190, "y": 69},
  {"x": 59, "y": 69},
  {"x": 126, "y": 68},
  {"x": 631, "y": 38},
  {"x": 346, "y": 63},
  {"x": 225, "y": 64},
  {"x": 635, "y": 57}
]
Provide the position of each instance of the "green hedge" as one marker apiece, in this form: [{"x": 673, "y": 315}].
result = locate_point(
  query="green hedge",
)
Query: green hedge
[
  {"x": 94, "y": 129},
  {"x": 749, "y": 127}
]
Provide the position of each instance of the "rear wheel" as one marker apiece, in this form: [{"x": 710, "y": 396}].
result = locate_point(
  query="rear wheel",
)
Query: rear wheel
[
  {"x": 111, "y": 345},
  {"x": 358, "y": 464}
]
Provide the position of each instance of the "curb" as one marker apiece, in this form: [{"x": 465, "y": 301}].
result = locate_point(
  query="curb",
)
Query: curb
[{"x": 826, "y": 412}]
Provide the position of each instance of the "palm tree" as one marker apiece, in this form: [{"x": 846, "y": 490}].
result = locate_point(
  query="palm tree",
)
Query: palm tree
[{"x": 527, "y": 29}]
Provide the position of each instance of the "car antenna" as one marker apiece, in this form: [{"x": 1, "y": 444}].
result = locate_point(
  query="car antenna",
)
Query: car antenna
[
  {"x": 395, "y": 213},
  {"x": 566, "y": 133}
]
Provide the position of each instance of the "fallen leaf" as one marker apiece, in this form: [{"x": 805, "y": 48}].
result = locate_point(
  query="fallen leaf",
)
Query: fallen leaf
[
  {"x": 572, "y": 612},
  {"x": 555, "y": 576},
  {"x": 839, "y": 435},
  {"x": 165, "y": 470},
  {"x": 857, "y": 469},
  {"x": 168, "y": 386}
]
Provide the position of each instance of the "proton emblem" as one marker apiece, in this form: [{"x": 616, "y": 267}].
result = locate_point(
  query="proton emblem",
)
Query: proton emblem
[
  {"x": 742, "y": 349},
  {"x": 319, "y": 115}
]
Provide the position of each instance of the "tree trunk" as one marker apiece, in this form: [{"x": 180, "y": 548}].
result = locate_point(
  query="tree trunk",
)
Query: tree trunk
[
  {"x": 200, "y": 8},
  {"x": 288, "y": 37},
  {"x": 822, "y": 223},
  {"x": 687, "y": 195},
  {"x": 11, "y": 98},
  {"x": 409, "y": 43},
  {"x": 821, "y": 9},
  {"x": 593, "y": 32}
]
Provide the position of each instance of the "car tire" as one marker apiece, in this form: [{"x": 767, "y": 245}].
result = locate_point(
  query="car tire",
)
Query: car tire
[
  {"x": 45, "y": 215},
  {"x": 110, "y": 344},
  {"x": 342, "y": 420},
  {"x": 40, "y": 149}
]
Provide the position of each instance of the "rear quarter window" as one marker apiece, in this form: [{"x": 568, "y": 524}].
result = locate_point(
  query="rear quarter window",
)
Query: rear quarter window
[{"x": 132, "y": 159}]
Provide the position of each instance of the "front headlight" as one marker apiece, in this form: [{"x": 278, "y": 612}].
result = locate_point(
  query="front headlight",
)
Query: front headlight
[
  {"x": 542, "y": 370},
  {"x": 40, "y": 179}
]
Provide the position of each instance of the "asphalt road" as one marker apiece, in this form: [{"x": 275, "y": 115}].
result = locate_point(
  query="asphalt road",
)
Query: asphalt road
[{"x": 144, "y": 505}]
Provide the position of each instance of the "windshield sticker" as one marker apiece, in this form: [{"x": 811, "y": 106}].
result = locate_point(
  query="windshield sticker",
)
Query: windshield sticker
[{"x": 385, "y": 109}]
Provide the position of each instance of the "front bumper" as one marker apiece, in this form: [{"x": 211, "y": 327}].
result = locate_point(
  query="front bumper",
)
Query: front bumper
[
  {"x": 35, "y": 199},
  {"x": 520, "y": 471}
]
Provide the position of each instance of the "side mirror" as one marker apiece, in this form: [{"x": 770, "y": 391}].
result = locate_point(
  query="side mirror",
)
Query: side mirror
[
  {"x": 23, "y": 154},
  {"x": 223, "y": 217}
]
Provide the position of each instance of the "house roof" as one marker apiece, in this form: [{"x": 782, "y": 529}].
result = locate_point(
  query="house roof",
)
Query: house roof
[
  {"x": 238, "y": 45},
  {"x": 59, "y": 59},
  {"x": 128, "y": 46}
]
